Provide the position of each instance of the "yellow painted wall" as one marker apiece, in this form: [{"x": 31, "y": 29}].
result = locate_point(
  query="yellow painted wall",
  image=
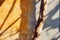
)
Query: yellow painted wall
[
  {"x": 14, "y": 19},
  {"x": 10, "y": 12}
]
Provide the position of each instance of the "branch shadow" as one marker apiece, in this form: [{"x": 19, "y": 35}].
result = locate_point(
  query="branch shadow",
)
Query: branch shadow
[
  {"x": 10, "y": 26},
  {"x": 50, "y": 2},
  {"x": 8, "y": 14},
  {"x": 11, "y": 9},
  {"x": 1, "y": 2},
  {"x": 49, "y": 22},
  {"x": 7, "y": 18},
  {"x": 56, "y": 38},
  {"x": 11, "y": 35}
]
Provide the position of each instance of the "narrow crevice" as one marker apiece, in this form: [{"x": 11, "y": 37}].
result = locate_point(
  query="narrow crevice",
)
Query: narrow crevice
[{"x": 40, "y": 19}]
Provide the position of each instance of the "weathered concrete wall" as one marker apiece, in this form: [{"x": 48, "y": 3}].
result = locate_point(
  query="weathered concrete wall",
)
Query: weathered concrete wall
[{"x": 51, "y": 24}]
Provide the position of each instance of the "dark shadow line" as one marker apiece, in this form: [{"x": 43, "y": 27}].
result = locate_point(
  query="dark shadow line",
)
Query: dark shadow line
[
  {"x": 51, "y": 2},
  {"x": 14, "y": 33},
  {"x": 10, "y": 25},
  {"x": 50, "y": 14},
  {"x": 56, "y": 38},
  {"x": 59, "y": 16},
  {"x": 11, "y": 35},
  {"x": 40, "y": 19},
  {"x": 54, "y": 9},
  {"x": 1, "y": 2},
  {"x": 8, "y": 14},
  {"x": 38, "y": 1}
]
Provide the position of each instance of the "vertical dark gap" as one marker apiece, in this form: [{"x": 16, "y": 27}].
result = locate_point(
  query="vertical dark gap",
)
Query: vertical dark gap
[
  {"x": 23, "y": 35},
  {"x": 40, "y": 19}
]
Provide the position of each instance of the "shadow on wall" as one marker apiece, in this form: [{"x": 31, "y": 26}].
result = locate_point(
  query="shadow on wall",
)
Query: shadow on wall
[
  {"x": 7, "y": 18},
  {"x": 11, "y": 9},
  {"x": 56, "y": 38},
  {"x": 49, "y": 22},
  {"x": 1, "y": 2},
  {"x": 50, "y": 2}
]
